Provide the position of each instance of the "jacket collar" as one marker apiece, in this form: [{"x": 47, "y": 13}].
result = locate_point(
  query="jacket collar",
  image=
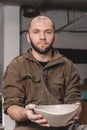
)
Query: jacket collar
[{"x": 57, "y": 57}]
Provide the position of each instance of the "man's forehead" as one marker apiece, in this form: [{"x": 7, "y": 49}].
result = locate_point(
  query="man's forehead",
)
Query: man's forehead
[{"x": 41, "y": 18}]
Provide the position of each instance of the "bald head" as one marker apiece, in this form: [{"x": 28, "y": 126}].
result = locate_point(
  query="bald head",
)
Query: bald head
[{"x": 39, "y": 19}]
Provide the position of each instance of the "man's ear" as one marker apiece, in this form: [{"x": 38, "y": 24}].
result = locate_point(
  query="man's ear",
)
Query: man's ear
[{"x": 28, "y": 37}]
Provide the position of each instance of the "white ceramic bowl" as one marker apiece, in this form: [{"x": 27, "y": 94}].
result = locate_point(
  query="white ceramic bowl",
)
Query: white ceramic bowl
[{"x": 57, "y": 115}]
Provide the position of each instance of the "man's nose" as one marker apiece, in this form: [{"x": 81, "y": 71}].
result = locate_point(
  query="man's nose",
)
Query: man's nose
[{"x": 42, "y": 35}]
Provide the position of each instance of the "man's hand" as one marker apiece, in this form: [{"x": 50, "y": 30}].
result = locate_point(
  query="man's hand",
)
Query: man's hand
[
  {"x": 76, "y": 116},
  {"x": 36, "y": 118}
]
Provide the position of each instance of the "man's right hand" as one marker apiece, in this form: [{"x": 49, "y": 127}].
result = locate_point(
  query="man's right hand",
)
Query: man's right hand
[{"x": 34, "y": 117}]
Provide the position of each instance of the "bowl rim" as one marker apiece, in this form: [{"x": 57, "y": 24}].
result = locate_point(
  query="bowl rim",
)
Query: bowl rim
[{"x": 38, "y": 109}]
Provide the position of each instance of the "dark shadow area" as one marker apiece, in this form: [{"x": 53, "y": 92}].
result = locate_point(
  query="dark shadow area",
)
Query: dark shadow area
[{"x": 76, "y": 55}]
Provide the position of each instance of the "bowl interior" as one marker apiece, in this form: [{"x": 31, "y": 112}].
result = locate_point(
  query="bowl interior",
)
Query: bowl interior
[{"x": 57, "y": 109}]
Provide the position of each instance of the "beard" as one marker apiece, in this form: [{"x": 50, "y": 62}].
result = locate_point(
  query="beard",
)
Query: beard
[{"x": 41, "y": 51}]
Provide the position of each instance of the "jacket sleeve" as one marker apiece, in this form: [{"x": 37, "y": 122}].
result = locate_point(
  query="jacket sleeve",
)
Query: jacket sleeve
[
  {"x": 13, "y": 90},
  {"x": 72, "y": 91}
]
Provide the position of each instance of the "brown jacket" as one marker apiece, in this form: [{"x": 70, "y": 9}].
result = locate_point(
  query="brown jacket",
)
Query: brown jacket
[{"x": 26, "y": 81}]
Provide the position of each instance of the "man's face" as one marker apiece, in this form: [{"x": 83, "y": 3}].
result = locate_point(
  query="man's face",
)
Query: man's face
[{"x": 41, "y": 35}]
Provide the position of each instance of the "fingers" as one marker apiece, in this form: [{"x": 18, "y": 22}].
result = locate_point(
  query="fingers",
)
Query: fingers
[
  {"x": 31, "y": 114},
  {"x": 76, "y": 117},
  {"x": 72, "y": 120},
  {"x": 78, "y": 103},
  {"x": 79, "y": 109},
  {"x": 37, "y": 118},
  {"x": 30, "y": 106},
  {"x": 34, "y": 117},
  {"x": 42, "y": 122}
]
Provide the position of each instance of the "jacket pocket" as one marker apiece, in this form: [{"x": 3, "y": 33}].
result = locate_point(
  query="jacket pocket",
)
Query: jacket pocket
[{"x": 31, "y": 77}]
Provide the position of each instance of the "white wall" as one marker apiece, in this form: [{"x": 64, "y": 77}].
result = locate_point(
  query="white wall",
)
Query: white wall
[
  {"x": 11, "y": 33},
  {"x": 65, "y": 39},
  {"x": 1, "y": 42},
  {"x": 9, "y": 44}
]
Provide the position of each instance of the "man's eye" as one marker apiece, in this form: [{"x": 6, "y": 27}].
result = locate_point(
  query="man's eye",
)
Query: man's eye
[
  {"x": 49, "y": 32},
  {"x": 35, "y": 32}
]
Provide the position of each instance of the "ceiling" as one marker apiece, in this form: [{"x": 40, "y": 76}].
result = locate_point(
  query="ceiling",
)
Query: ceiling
[
  {"x": 33, "y": 7},
  {"x": 77, "y": 24},
  {"x": 49, "y": 4}
]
